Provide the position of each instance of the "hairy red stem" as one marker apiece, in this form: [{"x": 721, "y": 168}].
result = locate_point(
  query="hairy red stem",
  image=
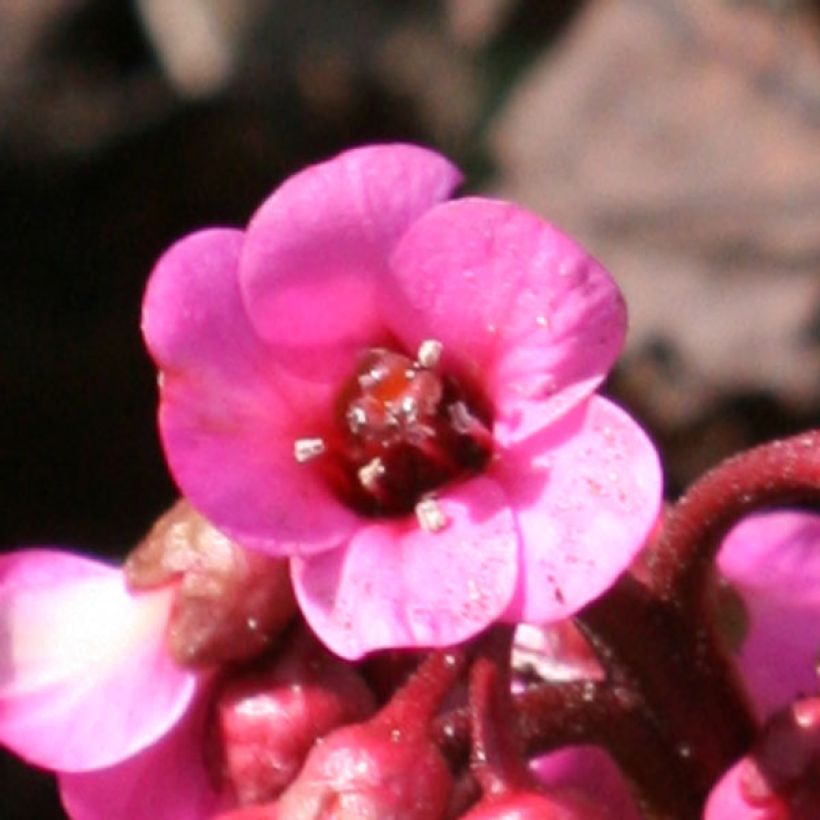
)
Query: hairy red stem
[
  {"x": 777, "y": 473},
  {"x": 497, "y": 751}
]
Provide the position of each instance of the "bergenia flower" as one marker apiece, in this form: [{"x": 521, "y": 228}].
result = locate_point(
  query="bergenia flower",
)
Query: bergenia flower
[
  {"x": 107, "y": 674},
  {"x": 772, "y": 561},
  {"x": 397, "y": 392},
  {"x": 780, "y": 777},
  {"x": 240, "y": 743},
  {"x": 167, "y": 780},
  {"x": 590, "y": 771},
  {"x": 86, "y": 680}
]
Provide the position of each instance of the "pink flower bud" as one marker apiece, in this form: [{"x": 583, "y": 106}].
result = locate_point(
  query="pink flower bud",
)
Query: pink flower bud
[
  {"x": 525, "y": 805},
  {"x": 266, "y": 720},
  {"x": 370, "y": 770},
  {"x": 780, "y": 778}
]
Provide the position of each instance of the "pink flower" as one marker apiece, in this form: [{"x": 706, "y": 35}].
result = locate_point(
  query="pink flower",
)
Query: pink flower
[
  {"x": 589, "y": 771},
  {"x": 167, "y": 780},
  {"x": 780, "y": 777},
  {"x": 85, "y": 677},
  {"x": 396, "y": 391},
  {"x": 772, "y": 561},
  {"x": 107, "y": 674}
]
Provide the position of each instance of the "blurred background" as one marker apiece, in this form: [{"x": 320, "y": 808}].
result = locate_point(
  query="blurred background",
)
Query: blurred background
[{"x": 679, "y": 140}]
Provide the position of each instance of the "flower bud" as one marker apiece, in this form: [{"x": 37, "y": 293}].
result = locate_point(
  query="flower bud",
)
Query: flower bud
[
  {"x": 230, "y": 603},
  {"x": 266, "y": 719},
  {"x": 526, "y": 805},
  {"x": 370, "y": 771},
  {"x": 780, "y": 778},
  {"x": 387, "y": 768}
]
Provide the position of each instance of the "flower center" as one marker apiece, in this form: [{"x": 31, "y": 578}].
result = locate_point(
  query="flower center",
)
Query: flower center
[{"x": 401, "y": 431}]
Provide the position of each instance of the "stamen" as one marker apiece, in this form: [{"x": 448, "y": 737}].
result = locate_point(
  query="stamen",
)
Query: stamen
[
  {"x": 466, "y": 424},
  {"x": 370, "y": 474},
  {"x": 306, "y": 449},
  {"x": 356, "y": 419},
  {"x": 400, "y": 438},
  {"x": 429, "y": 353},
  {"x": 461, "y": 418},
  {"x": 369, "y": 379},
  {"x": 430, "y": 516},
  {"x": 409, "y": 410}
]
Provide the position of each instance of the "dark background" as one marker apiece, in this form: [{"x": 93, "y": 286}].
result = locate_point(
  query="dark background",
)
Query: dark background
[{"x": 678, "y": 139}]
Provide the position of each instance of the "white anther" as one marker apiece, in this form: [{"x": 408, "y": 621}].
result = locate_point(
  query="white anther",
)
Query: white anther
[
  {"x": 370, "y": 474},
  {"x": 356, "y": 419},
  {"x": 461, "y": 418},
  {"x": 429, "y": 353},
  {"x": 409, "y": 409},
  {"x": 306, "y": 449},
  {"x": 430, "y": 516},
  {"x": 372, "y": 377}
]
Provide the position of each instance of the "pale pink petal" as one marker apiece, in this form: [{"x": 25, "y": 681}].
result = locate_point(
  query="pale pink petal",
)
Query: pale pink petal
[
  {"x": 520, "y": 308},
  {"x": 726, "y": 801},
  {"x": 228, "y": 420},
  {"x": 166, "y": 781},
  {"x": 85, "y": 679},
  {"x": 773, "y": 561},
  {"x": 586, "y": 492},
  {"x": 591, "y": 771},
  {"x": 396, "y": 585},
  {"x": 317, "y": 248}
]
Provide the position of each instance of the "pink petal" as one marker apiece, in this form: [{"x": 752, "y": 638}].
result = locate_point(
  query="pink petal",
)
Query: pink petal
[
  {"x": 773, "y": 561},
  {"x": 519, "y": 307},
  {"x": 726, "y": 801},
  {"x": 591, "y": 771},
  {"x": 85, "y": 679},
  {"x": 228, "y": 419},
  {"x": 317, "y": 248},
  {"x": 396, "y": 585},
  {"x": 166, "y": 781},
  {"x": 586, "y": 492}
]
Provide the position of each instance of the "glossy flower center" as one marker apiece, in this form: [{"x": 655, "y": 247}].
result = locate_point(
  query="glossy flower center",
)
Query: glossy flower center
[{"x": 402, "y": 430}]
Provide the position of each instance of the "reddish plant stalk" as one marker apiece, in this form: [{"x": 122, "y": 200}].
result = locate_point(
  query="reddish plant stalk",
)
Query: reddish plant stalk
[
  {"x": 777, "y": 473},
  {"x": 415, "y": 704},
  {"x": 497, "y": 751},
  {"x": 660, "y": 639}
]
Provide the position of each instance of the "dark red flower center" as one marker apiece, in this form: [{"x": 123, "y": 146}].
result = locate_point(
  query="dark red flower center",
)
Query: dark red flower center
[{"x": 402, "y": 430}]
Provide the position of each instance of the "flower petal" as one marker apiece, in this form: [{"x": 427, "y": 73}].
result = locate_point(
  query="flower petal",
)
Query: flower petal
[
  {"x": 591, "y": 771},
  {"x": 518, "y": 306},
  {"x": 316, "y": 249},
  {"x": 396, "y": 585},
  {"x": 586, "y": 492},
  {"x": 85, "y": 679},
  {"x": 227, "y": 417},
  {"x": 166, "y": 781},
  {"x": 726, "y": 800},
  {"x": 773, "y": 560}
]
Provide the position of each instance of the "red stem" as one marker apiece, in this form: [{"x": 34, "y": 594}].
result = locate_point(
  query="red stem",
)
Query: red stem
[
  {"x": 497, "y": 751},
  {"x": 413, "y": 706},
  {"x": 660, "y": 639},
  {"x": 781, "y": 472}
]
